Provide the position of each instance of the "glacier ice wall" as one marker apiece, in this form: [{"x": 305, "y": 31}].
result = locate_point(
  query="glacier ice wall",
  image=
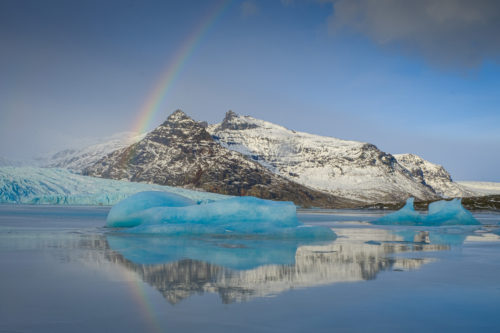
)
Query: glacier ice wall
[
  {"x": 440, "y": 213},
  {"x": 232, "y": 217},
  {"x": 30, "y": 185}
]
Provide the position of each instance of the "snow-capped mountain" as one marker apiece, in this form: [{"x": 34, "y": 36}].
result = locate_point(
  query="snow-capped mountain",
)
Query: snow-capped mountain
[
  {"x": 351, "y": 169},
  {"x": 433, "y": 175},
  {"x": 180, "y": 152},
  {"x": 79, "y": 159}
]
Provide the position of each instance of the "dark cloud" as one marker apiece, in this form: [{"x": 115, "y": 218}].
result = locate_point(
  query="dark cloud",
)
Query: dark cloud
[{"x": 450, "y": 33}]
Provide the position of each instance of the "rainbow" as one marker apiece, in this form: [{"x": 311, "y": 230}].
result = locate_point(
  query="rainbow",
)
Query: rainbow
[
  {"x": 172, "y": 70},
  {"x": 145, "y": 306},
  {"x": 147, "y": 113}
]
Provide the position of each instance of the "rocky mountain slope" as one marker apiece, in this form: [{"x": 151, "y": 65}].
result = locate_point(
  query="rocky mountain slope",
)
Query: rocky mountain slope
[
  {"x": 433, "y": 175},
  {"x": 180, "y": 152},
  {"x": 351, "y": 169}
]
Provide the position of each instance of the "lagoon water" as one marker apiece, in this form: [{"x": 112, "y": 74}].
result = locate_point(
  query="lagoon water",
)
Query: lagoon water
[{"x": 62, "y": 271}]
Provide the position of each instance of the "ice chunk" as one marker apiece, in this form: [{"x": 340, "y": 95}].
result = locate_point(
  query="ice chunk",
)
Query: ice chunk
[
  {"x": 440, "y": 213},
  {"x": 405, "y": 216},
  {"x": 232, "y": 217},
  {"x": 449, "y": 213},
  {"x": 127, "y": 213}
]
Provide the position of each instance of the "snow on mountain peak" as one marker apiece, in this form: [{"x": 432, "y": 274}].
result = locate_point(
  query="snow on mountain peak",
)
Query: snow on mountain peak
[
  {"x": 351, "y": 169},
  {"x": 433, "y": 175}
]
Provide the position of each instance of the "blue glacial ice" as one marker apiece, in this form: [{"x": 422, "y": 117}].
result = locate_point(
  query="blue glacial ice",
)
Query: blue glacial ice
[
  {"x": 128, "y": 212},
  {"x": 440, "y": 213},
  {"x": 238, "y": 216},
  {"x": 30, "y": 185}
]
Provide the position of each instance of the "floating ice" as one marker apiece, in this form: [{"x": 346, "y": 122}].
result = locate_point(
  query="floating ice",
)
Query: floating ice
[
  {"x": 440, "y": 213},
  {"x": 232, "y": 217},
  {"x": 449, "y": 213},
  {"x": 127, "y": 213}
]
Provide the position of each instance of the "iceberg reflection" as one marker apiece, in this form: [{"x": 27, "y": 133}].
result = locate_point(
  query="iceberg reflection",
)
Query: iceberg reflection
[{"x": 243, "y": 269}]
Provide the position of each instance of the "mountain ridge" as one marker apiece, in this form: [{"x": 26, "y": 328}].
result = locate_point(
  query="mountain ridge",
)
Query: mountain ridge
[
  {"x": 356, "y": 170},
  {"x": 352, "y": 169},
  {"x": 180, "y": 152}
]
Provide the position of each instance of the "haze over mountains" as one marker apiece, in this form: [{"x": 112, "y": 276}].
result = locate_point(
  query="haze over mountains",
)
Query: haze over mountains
[{"x": 247, "y": 156}]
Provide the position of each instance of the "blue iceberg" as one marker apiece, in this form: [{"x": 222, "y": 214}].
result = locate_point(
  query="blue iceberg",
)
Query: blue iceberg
[
  {"x": 449, "y": 213},
  {"x": 440, "y": 213},
  {"x": 238, "y": 216},
  {"x": 125, "y": 213}
]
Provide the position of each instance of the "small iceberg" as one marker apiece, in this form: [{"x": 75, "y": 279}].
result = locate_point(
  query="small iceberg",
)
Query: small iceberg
[
  {"x": 173, "y": 215},
  {"x": 440, "y": 213}
]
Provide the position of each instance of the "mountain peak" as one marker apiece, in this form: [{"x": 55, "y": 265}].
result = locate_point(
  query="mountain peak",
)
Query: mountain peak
[
  {"x": 177, "y": 116},
  {"x": 233, "y": 121},
  {"x": 179, "y": 126},
  {"x": 230, "y": 115}
]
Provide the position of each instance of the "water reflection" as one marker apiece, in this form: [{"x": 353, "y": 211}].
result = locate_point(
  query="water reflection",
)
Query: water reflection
[{"x": 239, "y": 270}]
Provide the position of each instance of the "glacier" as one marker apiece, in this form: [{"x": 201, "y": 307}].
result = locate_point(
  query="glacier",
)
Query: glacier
[
  {"x": 237, "y": 216},
  {"x": 33, "y": 185},
  {"x": 440, "y": 213}
]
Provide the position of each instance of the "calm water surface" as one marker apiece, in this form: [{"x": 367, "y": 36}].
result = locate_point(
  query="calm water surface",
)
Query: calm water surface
[{"x": 61, "y": 271}]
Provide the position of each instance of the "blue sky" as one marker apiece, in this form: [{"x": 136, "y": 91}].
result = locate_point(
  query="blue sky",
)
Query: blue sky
[{"x": 74, "y": 71}]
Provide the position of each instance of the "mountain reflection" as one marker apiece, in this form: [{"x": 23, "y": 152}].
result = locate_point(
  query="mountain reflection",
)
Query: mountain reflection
[{"x": 239, "y": 270}]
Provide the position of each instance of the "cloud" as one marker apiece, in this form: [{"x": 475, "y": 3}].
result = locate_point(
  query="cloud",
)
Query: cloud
[
  {"x": 449, "y": 33},
  {"x": 249, "y": 8}
]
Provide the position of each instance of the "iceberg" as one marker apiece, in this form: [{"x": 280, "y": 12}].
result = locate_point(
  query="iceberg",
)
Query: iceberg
[
  {"x": 405, "y": 216},
  {"x": 449, "y": 213},
  {"x": 124, "y": 213},
  {"x": 440, "y": 213},
  {"x": 234, "y": 217}
]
